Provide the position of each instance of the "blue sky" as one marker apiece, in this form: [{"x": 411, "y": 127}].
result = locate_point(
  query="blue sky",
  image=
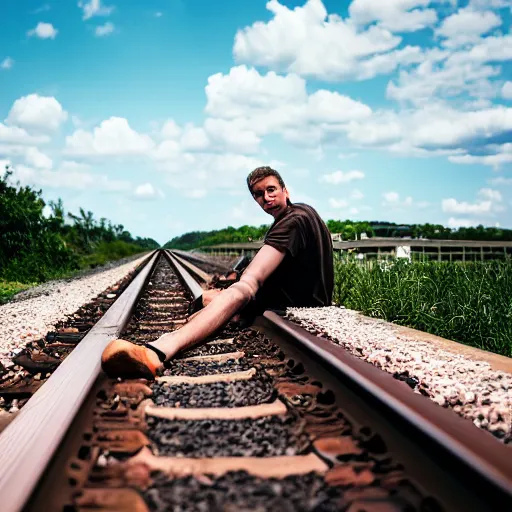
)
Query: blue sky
[{"x": 151, "y": 113}]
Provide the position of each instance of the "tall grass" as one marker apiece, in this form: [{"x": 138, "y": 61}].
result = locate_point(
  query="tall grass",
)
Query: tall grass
[{"x": 466, "y": 302}]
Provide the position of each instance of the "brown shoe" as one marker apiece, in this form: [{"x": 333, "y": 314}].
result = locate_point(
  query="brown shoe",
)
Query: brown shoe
[{"x": 124, "y": 359}]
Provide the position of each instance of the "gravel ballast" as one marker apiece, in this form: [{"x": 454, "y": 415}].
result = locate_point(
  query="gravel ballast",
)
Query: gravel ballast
[
  {"x": 469, "y": 386},
  {"x": 26, "y": 320}
]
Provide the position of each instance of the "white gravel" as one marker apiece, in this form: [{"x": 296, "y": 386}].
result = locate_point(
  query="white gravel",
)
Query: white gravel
[
  {"x": 22, "y": 321},
  {"x": 471, "y": 388}
]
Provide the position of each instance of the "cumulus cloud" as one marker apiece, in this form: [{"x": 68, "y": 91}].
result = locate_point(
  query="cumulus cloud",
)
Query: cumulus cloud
[
  {"x": 506, "y": 90},
  {"x": 468, "y": 71},
  {"x": 67, "y": 179},
  {"x": 37, "y": 159},
  {"x": 94, "y": 8},
  {"x": 356, "y": 194},
  {"x": 467, "y": 26},
  {"x": 451, "y": 205},
  {"x": 496, "y": 156},
  {"x": 394, "y": 15},
  {"x": 104, "y": 30},
  {"x": 147, "y": 191},
  {"x": 170, "y": 130},
  {"x": 113, "y": 137},
  {"x": 194, "y": 138},
  {"x": 7, "y": 63},
  {"x": 259, "y": 104},
  {"x": 309, "y": 42},
  {"x": 489, "y": 193},
  {"x": 44, "y": 31},
  {"x": 16, "y": 135},
  {"x": 34, "y": 112},
  {"x": 454, "y": 222},
  {"x": 337, "y": 177},
  {"x": 433, "y": 129},
  {"x": 392, "y": 200}
]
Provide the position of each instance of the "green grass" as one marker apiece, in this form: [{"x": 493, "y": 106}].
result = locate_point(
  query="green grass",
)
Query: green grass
[
  {"x": 22, "y": 270},
  {"x": 8, "y": 289},
  {"x": 466, "y": 302}
]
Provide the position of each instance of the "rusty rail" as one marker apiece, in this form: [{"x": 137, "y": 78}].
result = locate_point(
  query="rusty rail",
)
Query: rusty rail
[{"x": 29, "y": 442}]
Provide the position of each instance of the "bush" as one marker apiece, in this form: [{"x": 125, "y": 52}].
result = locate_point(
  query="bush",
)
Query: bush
[
  {"x": 109, "y": 251},
  {"x": 466, "y": 302}
]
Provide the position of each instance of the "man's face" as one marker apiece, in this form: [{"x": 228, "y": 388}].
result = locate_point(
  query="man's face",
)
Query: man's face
[{"x": 270, "y": 196}]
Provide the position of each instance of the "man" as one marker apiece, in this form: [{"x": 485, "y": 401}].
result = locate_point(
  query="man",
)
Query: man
[{"x": 293, "y": 268}]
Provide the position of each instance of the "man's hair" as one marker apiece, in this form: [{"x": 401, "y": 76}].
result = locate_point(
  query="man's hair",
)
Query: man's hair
[{"x": 260, "y": 173}]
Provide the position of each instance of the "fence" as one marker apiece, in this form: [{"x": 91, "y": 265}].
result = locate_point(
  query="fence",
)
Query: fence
[{"x": 390, "y": 248}]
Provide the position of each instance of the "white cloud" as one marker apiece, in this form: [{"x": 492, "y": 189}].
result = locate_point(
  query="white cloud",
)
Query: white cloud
[
  {"x": 500, "y": 180},
  {"x": 309, "y": 42},
  {"x": 337, "y": 203},
  {"x": 16, "y": 135},
  {"x": 489, "y": 4},
  {"x": 258, "y": 105},
  {"x": 7, "y": 63},
  {"x": 147, "y": 191},
  {"x": 338, "y": 177},
  {"x": 394, "y": 15},
  {"x": 194, "y": 139},
  {"x": 170, "y": 130},
  {"x": 489, "y": 193},
  {"x": 432, "y": 128},
  {"x": 356, "y": 194},
  {"x": 104, "y": 30},
  {"x": 467, "y": 26},
  {"x": 36, "y": 158},
  {"x": 4, "y": 162},
  {"x": 72, "y": 166},
  {"x": 37, "y": 112},
  {"x": 454, "y": 222},
  {"x": 211, "y": 171},
  {"x": 506, "y": 90},
  {"x": 68, "y": 179},
  {"x": 451, "y": 205},
  {"x": 454, "y": 73},
  {"x": 245, "y": 92},
  {"x": 44, "y": 31},
  {"x": 231, "y": 135},
  {"x": 94, "y": 8},
  {"x": 113, "y": 137},
  {"x": 43, "y": 8},
  {"x": 391, "y": 197},
  {"x": 496, "y": 157}
]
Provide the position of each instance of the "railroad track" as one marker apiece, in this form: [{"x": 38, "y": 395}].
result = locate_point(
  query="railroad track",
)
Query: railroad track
[{"x": 255, "y": 419}]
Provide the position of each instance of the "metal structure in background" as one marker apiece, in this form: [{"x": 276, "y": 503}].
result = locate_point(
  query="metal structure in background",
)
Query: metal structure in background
[{"x": 386, "y": 248}]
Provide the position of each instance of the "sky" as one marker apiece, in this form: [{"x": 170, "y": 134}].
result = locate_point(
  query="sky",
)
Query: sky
[{"x": 151, "y": 113}]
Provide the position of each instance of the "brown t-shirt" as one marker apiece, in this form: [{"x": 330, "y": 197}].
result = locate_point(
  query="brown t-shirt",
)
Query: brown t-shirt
[{"x": 305, "y": 277}]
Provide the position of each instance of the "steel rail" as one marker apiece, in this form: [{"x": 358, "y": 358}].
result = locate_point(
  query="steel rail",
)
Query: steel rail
[
  {"x": 204, "y": 276},
  {"x": 195, "y": 288},
  {"x": 470, "y": 453},
  {"x": 474, "y": 453},
  {"x": 193, "y": 257},
  {"x": 31, "y": 439}
]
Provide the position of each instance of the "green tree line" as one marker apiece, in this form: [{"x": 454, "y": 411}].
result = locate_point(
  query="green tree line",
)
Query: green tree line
[
  {"x": 348, "y": 229},
  {"x": 35, "y": 246}
]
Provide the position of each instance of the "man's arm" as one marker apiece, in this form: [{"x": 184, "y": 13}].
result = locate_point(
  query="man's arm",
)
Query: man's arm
[{"x": 225, "y": 305}]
